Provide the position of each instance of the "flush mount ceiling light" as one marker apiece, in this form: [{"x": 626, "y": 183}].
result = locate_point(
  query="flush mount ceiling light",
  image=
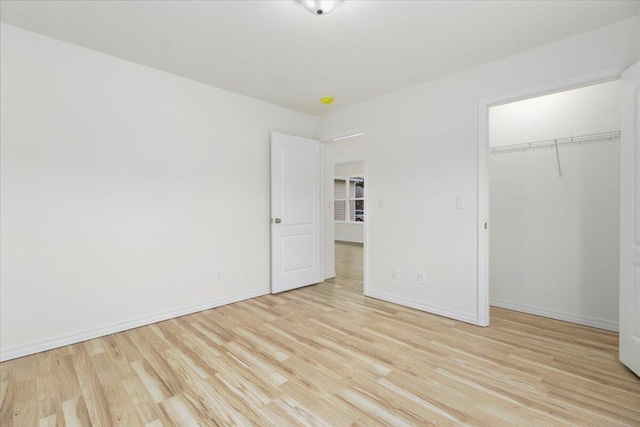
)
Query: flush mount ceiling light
[{"x": 319, "y": 7}]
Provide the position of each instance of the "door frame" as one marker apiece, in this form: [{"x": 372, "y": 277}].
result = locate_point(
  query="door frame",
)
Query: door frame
[
  {"x": 574, "y": 82},
  {"x": 330, "y": 138}
]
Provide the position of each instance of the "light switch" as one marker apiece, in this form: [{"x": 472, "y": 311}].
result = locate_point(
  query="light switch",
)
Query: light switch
[
  {"x": 459, "y": 203},
  {"x": 381, "y": 202}
]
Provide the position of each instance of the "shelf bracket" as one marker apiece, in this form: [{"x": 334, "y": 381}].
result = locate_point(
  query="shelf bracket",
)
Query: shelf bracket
[{"x": 555, "y": 141}]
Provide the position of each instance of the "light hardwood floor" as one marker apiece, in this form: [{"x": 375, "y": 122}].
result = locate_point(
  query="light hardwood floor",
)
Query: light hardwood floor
[{"x": 325, "y": 355}]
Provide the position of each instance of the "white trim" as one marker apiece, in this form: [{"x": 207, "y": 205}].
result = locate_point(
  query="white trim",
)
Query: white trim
[
  {"x": 483, "y": 213},
  {"x": 348, "y": 136},
  {"x": 343, "y": 135},
  {"x": 432, "y": 309},
  {"x": 329, "y": 275},
  {"x": 594, "y": 322},
  {"x": 367, "y": 206},
  {"x": 321, "y": 216},
  {"x": 575, "y": 82},
  {"x": 484, "y": 104},
  {"x": 100, "y": 331}
]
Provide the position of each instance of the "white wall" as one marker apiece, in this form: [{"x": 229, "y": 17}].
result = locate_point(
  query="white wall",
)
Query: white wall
[
  {"x": 350, "y": 232},
  {"x": 554, "y": 240},
  {"x": 582, "y": 111},
  {"x": 349, "y": 150},
  {"x": 422, "y": 154},
  {"x": 123, "y": 189},
  {"x": 348, "y": 170}
]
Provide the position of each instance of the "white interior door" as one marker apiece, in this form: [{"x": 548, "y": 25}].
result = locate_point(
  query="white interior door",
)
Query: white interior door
[
  {"x": 296, "y": 257},
  {"x": 630, "y": 221}
]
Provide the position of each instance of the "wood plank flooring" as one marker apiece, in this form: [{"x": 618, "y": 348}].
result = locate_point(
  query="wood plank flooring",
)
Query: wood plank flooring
[{"x": 325, "y": 355}]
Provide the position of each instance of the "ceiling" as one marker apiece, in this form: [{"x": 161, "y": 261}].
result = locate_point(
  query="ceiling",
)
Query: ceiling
[{"x": 276, "y": 51}]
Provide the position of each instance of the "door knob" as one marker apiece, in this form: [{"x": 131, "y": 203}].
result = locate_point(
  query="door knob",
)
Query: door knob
[{"x": 277, "y": 220}]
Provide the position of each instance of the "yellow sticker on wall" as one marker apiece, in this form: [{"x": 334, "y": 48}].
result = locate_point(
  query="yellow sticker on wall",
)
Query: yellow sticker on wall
[{"x": 326, "y": 100}]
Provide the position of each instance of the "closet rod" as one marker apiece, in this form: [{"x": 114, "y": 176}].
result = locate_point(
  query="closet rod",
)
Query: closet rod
[{"x": 594, "y": 137}]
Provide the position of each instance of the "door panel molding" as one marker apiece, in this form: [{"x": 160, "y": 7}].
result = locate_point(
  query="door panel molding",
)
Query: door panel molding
[{"x": 296, "y": 228}]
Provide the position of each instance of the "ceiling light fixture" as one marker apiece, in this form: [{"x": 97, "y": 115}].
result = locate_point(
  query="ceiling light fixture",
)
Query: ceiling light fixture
[{"x": 319, "y": 7}]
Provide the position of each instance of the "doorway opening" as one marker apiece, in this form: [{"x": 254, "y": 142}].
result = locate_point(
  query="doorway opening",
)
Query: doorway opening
[
  {"x": 554, "y": 203},
  {"x": 348, "y": 212}
]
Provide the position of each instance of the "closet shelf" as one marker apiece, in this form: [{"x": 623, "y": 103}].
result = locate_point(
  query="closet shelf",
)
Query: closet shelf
[{"x": 594, "y": 137}]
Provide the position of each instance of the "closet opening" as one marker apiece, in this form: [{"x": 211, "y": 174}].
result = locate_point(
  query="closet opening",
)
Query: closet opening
[{"x": 554, "y": 205}]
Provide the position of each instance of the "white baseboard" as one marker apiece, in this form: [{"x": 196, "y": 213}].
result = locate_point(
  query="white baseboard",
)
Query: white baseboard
[
  {"x": 99, "y": 331},
  {"x": 558, "y": 315},
  {"x": 329, "y": 275},
  {"x": 440, "y": 311}
]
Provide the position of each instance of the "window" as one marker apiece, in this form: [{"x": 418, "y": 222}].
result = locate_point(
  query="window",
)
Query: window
[{"x": 348, "y": 199}]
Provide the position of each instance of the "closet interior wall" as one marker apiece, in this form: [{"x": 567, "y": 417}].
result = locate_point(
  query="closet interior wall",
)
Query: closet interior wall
[{"x": 554, "y": 170}]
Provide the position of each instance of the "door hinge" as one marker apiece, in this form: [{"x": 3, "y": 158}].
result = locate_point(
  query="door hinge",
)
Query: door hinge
[{"x": 485, "y": 225}]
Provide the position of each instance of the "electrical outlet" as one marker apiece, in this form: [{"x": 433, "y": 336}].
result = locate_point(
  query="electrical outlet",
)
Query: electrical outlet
[
  {"x": 395, "y": 273},
  {"x": 421, "y": 279},
  {"x": 219, "y": 275}
]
